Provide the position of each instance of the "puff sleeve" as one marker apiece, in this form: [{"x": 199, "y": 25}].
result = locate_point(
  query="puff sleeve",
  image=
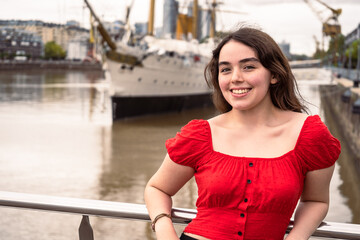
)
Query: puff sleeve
[
  {"x": 316, "y": 147},
  {"x": 190, "y": 145}
]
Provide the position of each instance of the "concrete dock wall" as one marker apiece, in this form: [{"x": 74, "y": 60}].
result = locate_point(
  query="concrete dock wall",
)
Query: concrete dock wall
[
  {"x": 340, "y": 110},
  {"x": 42, "y": 64}
]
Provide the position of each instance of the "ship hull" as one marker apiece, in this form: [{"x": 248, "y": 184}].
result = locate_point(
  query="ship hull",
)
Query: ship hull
[
  {"x": 125, "y": 107},
  {"x": 164, "y": 81}
]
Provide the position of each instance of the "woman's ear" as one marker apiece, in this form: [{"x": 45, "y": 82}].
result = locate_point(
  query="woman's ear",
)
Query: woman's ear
[{"x": 273, "y": 80}]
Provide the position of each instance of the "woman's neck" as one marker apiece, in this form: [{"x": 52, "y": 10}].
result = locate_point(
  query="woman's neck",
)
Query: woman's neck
[{"x": 253, "y": 118}]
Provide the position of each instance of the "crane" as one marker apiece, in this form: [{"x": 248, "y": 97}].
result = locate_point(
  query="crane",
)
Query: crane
[
  {"x": 319, "y": 52},
  {"x": 330, "y": 24}
]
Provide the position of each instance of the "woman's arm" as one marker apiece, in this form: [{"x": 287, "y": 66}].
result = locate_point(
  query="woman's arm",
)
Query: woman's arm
[
  {"x": 165, "y": 183},
  {"x": 314, "y": 204}
]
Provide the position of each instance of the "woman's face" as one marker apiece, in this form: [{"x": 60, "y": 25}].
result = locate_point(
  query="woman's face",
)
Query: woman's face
[{"x": 243, "y": 80}]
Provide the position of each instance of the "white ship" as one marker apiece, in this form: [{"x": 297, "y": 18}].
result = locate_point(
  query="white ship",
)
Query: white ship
[{"x": 156, "y": 75}]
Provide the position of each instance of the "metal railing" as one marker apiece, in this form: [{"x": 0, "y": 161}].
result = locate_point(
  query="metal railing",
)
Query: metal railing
[{"x": 86, "y": 208}]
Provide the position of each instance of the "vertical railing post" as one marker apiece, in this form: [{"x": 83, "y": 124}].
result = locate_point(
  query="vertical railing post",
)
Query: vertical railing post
[
  {"x": 85, "y": 229},
  {"x": 349, "y": 64},
  {"x": 357, "y": 79}
]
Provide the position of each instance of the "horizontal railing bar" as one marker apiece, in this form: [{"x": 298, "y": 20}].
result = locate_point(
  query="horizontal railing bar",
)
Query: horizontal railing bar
[
  {"x": 134, "y": 211},
  {"x": 87, "y": 207}
]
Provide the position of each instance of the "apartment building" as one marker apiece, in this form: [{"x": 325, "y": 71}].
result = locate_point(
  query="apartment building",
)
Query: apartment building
[{"x": 19, "y": 44}]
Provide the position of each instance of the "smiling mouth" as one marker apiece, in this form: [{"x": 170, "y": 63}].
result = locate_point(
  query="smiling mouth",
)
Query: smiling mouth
[{"x": 240, "y": 91}]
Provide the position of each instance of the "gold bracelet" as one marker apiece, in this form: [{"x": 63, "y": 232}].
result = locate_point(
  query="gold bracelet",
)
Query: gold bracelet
[{"x": 157, "y": 218}]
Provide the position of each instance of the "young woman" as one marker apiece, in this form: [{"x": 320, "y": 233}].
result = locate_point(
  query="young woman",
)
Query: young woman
[{"x": 254, "y": 161}]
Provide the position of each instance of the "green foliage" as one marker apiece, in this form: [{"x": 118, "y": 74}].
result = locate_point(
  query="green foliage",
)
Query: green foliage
[
  {"x": 354, "y": 50},
  {"x": 319, "y": 54},
  {"x": 336, "y": 49},
  {"x": 54, "y": 51},
  {"x": 337, "y": 45}
]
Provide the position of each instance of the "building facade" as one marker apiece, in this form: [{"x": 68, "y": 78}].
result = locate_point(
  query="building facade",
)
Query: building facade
[
  {"x": 60, "y": 34},
  {"x": 170, "y": 15},
  {"x": 352, "y": 36},
  {"x": 19, "y": 44},
  {"x": 285, "y": 48},
  {"x": 204, "y": 24},
  {"x": 78, "y": 49}
]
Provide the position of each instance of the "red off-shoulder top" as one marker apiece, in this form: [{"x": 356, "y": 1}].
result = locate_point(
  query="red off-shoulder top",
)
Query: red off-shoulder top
[{"x": 249, "y": 197}]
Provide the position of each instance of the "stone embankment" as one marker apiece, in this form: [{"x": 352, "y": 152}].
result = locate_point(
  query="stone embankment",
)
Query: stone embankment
[
  {"x": 42, "y": 64},
  {"x": 340, "y": 100}
]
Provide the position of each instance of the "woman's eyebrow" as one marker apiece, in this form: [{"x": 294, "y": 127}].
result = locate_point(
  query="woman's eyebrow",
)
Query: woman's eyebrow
[
  {"x": 223, "y": 63},
  {"x": 251, "y": 59}
]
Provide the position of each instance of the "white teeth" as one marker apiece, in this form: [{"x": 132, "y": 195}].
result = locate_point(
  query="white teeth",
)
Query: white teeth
[{"x": 240, "y": 91}]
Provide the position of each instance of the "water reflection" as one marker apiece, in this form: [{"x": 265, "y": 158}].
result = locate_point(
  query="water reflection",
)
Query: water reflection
[
  {"x": 55, "y": 96},
  {"x": 137, "y": 150},
  {"x": 57, "y": 139}
]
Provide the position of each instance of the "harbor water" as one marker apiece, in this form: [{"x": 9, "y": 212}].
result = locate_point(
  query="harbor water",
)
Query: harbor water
[{"x": 57, "y": 138}]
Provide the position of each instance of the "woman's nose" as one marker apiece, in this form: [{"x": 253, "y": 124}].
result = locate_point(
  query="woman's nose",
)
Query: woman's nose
[{"x": 236, "y": 75}]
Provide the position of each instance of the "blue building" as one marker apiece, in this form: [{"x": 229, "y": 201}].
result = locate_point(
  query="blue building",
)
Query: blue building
[
  {"x": 285, "y": 48},
  {"x": 204, "y": 24},
  {"x": 169, "y": 18}
]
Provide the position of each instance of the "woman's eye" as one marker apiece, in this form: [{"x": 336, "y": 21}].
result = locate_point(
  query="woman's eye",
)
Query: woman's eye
[
  {"x": 223, "y": 70},
  {"x": 249, "y": 67}
]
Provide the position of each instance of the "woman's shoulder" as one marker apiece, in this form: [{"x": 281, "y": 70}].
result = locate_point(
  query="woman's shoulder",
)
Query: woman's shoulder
[
  {"x": 303, "y": 124},
  {"x": 191, "y": 144},
  {"x": 314, "y": 127},
  {"x": 196, "y": 128},
  {"x": 196, "y": 123},
  {"x": 316, "y": 145}
]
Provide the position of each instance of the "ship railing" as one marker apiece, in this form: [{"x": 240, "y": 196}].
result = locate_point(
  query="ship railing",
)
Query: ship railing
[{"x": 131, "y": 211}]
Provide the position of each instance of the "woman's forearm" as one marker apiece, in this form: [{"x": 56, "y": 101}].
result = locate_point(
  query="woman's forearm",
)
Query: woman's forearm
[
  {"x": 308, "y": 217},
  {"x": 166, "y": 182},
  {"x": 158, "y": 202}
]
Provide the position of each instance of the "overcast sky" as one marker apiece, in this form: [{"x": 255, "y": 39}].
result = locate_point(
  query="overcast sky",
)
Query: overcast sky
[{"x": 292, "y": 21}]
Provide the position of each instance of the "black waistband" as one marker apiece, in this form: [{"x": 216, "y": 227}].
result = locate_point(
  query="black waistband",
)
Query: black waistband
[{"x": 185, "y": 237}]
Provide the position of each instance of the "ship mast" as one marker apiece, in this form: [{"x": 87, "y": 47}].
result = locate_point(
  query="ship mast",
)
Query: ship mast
[
  {"x": 113, "y": 54},
  {"x": 195, "y": 19},
  {"x": 101, "y": 28},
  {"x": 213, "y": 20},
  {"x": 151, "y": 18}
]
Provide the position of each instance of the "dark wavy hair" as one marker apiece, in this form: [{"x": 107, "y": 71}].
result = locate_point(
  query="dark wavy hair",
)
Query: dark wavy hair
[{"x": 284, "y": 94}]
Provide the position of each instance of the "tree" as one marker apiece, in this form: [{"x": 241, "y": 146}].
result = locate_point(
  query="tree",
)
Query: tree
[
  {"x": 336, "y": 48},
  {"x": 54, "y": 51},
  {"x": 319, "y": 54},
  {"x": 353, "y": 48}
]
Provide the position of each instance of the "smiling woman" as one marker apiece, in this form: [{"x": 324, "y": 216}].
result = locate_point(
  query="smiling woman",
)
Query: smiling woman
[{"x": 254, "y": 161}]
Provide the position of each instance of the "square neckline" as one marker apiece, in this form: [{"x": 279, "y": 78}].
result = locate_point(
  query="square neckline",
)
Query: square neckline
[{"x": 258, "y": 158}]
